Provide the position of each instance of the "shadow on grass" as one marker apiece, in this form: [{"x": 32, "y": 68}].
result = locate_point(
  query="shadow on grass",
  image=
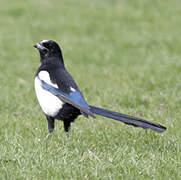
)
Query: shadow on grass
[{"x": 4, "y": 161}]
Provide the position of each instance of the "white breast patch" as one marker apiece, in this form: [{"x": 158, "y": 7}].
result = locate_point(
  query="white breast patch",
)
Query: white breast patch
[{"x": 49, "y": 103}]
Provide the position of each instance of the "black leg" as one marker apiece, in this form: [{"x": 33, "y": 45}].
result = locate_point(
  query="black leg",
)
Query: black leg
[
  {"x": 50, "y": 124},
  {"x": 50, "y": 127},
  {"x": 66, "y": 127}
]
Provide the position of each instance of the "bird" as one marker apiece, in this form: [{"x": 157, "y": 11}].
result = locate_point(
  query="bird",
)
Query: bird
[{"x": 60, "y": 98}]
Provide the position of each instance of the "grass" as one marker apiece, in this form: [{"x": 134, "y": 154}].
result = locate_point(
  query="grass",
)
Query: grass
[{"x": 125, "y": 56}]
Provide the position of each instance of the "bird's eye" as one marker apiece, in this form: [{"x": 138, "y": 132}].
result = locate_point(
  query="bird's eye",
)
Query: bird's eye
[{"x": 46, "y": 45}]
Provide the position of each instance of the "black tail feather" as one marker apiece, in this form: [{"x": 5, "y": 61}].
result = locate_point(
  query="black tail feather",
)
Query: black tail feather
[{"x": 130, "y": 120}]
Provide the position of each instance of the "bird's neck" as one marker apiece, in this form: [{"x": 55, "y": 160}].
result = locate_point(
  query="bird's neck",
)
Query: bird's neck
[{"x": 52, "y": 62}]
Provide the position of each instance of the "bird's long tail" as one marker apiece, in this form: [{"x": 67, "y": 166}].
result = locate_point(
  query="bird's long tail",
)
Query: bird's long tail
[{"x": 130, "y": 120}]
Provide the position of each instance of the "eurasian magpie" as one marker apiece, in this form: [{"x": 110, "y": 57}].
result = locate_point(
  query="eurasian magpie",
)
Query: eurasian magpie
[{"x": 60, "y": 97}]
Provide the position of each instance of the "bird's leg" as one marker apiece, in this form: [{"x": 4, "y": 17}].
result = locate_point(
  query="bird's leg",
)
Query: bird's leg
[
  {"x": 67, "y": 134},
  {"x": 66, "y": 127},
  {"x": 50, "y": 127}
]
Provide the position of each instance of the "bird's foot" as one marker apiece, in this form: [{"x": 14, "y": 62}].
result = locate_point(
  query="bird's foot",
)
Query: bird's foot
[
  {"x": 46, "y": 138},
  {"x": 67, "y": 134}
]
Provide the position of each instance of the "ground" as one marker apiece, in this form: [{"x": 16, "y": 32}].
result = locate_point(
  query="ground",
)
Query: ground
[{"x": 125, "y": 56}]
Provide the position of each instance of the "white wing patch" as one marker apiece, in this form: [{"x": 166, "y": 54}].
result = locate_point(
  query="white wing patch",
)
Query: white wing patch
[
  {"x": 72, "y": 89},
  {"x": 44, "y": 75},
  {"x": 49, "y": 103}
]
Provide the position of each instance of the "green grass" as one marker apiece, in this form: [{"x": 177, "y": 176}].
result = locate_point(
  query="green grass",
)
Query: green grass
[{"x": 126, "y": 56}]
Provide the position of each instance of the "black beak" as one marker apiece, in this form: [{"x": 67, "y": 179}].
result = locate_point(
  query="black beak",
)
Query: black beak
[
  {"x": 40, "y": 47},
  {"x": 35, "y": 45}
]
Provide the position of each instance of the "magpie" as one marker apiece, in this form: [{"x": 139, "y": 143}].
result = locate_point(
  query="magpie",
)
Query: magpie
[{"x": 60, "y": 98}]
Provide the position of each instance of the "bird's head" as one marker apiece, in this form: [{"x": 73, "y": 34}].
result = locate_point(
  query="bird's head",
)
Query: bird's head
[{"x": 48, "y": 49}]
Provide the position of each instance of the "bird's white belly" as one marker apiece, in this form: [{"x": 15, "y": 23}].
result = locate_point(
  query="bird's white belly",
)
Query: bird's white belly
[{"x": 49, "y": 103}]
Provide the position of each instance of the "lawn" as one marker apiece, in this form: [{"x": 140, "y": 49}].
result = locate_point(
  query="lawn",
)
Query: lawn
[{"x": 124, "y": 55}]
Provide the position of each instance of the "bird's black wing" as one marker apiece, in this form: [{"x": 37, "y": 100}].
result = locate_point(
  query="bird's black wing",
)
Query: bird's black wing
[
  {"x": 63, "y": 80},
  {"x": 75, "y": 98}
]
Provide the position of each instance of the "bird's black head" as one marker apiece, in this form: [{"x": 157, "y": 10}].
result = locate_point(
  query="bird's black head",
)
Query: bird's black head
[{"x": 48, "y": 49}]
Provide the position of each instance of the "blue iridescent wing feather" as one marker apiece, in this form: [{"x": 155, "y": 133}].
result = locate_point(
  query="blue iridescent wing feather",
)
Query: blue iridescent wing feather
[{"x": 75, "y": 98}]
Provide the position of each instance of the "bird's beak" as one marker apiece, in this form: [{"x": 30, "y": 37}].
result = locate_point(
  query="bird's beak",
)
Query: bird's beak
[
  {"x": 35, "y": 46},
  {"x": 40, "y": 47}
]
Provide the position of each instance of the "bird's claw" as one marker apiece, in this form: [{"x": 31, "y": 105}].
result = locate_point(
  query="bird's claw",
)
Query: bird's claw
[{"x": 46, "y": 138}]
